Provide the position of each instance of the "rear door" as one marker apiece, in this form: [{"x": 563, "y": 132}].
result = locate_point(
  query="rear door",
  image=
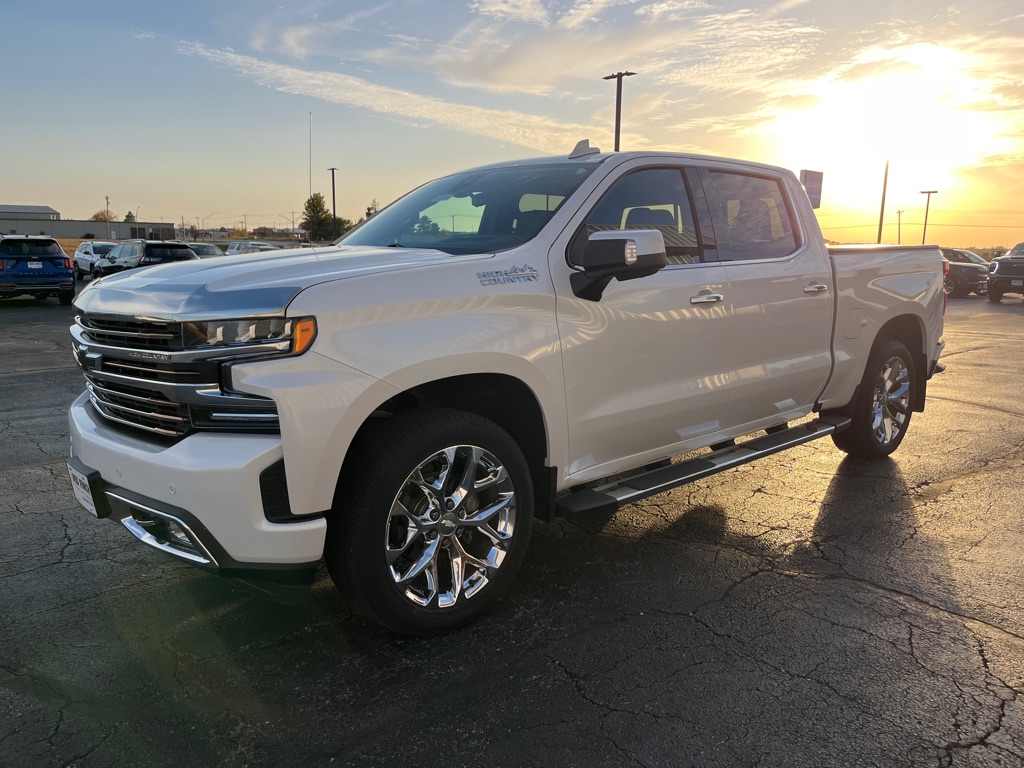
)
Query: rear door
[{"x": 780, "y": 296}]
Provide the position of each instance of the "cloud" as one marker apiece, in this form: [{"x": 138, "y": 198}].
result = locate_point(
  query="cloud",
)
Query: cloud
[
  {"x": 531, "y": 11},
  {"x": 315, "y": 37},
  {"x": 671, "y": 9},
  {"x": 583, "y": 11},
  {"x": 535, "y": 132}
]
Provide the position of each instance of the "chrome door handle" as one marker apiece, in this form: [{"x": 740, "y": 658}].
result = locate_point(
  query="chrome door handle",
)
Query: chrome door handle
[
  {"x": 706, "y": 298},
  {"x": 815, "y": 288}
]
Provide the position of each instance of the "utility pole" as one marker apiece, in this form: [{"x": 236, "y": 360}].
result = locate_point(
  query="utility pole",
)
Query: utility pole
[
  {"x": 334, "y": 207},
  {"x": 110, "y": 229},
  {"x": 927, "y": 205},
  {"x": 881, "y": 213},
  {"x": 899, "y": 227},
  {"x": 617, "y": 77}
]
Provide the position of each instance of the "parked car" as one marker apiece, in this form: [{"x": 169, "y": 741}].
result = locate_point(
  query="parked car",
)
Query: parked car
[
  {"x": 400, "y": 403},
  {"x": 36, "y": 266},
  {"x": 1006, "y": 273},
  {"x": 250, "y": 246},
  {"x": 968, "y": 273},
  {"x": 205, "y": 250},
  {"x": 87, "y": 255},
  {"x": 141, "y": 253}
]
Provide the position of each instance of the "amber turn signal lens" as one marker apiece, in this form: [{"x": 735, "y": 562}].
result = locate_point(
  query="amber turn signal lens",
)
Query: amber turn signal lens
[{"x": 304, "y": 334}]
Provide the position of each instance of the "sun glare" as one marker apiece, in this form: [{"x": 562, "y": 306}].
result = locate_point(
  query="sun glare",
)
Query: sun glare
[{"x": 920, "y": 107}]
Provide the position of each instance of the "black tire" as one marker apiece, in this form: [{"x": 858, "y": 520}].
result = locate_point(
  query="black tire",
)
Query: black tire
[
  {"x": 79, "y": 274},
  {"x": 882, "y": 407},
  {"x": 994, "y": 295},
  {"x": 397, "y": 510},
  {"x": 95, "y": 271},
  {"x": 66, "y": 298},
  {"x": 951, "y": 286}
]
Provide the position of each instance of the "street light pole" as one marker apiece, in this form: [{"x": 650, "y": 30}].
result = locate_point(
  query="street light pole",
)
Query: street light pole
[
  {"x": 334, "y": 206},
  {"x": 899, "y": 227},
  {"x": 927, "y": 205},
  {"x": 617, "y": 77}
]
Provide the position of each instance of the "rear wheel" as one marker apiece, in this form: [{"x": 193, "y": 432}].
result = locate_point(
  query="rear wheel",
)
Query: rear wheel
[
  {"x": 432, "y": 521},
  {"x": 66, "y": 298},
  {"x": 882, "y": 408},
  {"x": 79, "y": 274},
  {"x": 994, "y": 295}
]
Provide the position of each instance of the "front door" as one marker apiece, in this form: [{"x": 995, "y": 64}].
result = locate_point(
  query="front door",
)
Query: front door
[{"x": 647, "y": 366}]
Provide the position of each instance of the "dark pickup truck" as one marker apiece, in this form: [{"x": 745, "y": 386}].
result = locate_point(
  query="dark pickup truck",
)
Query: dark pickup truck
[{"x": 1006, "y": 273}]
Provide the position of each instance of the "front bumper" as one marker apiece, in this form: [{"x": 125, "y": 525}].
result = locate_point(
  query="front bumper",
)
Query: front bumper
[
  {"x": 1010, "y": 284},
  {"x": 198, "y": 500}
]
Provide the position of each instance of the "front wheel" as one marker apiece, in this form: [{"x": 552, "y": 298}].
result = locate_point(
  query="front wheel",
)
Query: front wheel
[
  {"x": 994, "y": 296},
  {"x": 431, "y": 521},
  {"x": 882, "y": 407}
]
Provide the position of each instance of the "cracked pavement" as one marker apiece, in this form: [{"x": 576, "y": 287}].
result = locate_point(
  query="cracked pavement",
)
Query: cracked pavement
[{"x": 803, "y": 610}]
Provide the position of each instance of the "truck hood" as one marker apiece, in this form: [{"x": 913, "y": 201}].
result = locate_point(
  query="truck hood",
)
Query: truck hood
[{"x": 245, "y": 284}]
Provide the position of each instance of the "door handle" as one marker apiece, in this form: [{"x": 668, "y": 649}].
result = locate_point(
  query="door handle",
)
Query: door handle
[
  {"x": 706, "y": 298},
  {"x": 815, "y": 288}
]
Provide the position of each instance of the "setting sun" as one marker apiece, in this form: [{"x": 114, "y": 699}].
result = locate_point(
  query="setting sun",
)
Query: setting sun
[{"x": 921, "y": 107}]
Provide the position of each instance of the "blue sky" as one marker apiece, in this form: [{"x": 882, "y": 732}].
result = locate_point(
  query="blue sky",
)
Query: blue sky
[{"x": 202, "y": 110}]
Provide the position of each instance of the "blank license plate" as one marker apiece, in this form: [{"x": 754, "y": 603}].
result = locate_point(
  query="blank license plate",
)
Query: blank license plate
[
  {"x": 1015, "y": 283},
  {"x": 35, "y": 265},
  {"x": 80, "y": 485}
]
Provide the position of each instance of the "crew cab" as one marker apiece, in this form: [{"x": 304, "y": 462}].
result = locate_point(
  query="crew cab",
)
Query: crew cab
[
  {"x": 35, "y": 265},
  {"x": 524, "y": 339}
]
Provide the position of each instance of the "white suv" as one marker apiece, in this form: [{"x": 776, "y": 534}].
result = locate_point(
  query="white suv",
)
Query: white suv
[{"x": 88, "y": 253}]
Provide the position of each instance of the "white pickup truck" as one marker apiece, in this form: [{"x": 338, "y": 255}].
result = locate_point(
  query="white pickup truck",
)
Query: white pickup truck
[{"x": 507, "y": 342}]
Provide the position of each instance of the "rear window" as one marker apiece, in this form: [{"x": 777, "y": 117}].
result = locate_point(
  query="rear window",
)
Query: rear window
[
  {"x": 30, "y": 248},
  {"x": 158, "y": 254}
]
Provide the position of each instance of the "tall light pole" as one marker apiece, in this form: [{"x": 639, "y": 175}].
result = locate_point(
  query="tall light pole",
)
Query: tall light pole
[
  {"x": 927, "y": 205},
  {"x": 617, "y": 77},
  {"x": 899, "y": 227},
  {"x": 334, "y": 207},
  {"x": 881, "y": 213}
]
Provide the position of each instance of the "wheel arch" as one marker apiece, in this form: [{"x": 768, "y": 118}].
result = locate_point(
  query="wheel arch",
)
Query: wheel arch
[
  {"x": 504, "y": 399},
  {"x": 909, "y": 329}
]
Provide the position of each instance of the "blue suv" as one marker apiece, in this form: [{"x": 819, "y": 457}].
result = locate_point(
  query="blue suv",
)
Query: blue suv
[{"x": 35, "y": 265}]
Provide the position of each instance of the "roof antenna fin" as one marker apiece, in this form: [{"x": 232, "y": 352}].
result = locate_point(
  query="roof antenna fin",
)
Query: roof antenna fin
[{"x": 582, "y": 149}]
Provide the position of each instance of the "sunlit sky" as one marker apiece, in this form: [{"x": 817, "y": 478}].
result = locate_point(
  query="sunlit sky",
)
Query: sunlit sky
[{"x": 230, "y": 111}]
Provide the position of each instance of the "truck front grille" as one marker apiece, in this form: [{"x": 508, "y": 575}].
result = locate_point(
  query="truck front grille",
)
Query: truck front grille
[
  {"x": 139, "y": 376},
  {"x": 131, "y": 333},
  {"x": 1010, "y": 268}
]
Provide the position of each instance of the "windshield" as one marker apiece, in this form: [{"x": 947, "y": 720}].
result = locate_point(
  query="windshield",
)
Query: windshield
[
  {"x": 1017, "y": 250},
  {"x": 973, "y": 257},
  {"x": 479, "y": 211}
]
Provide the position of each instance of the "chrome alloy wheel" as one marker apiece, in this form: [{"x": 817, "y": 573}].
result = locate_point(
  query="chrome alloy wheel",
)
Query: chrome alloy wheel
[
  {"x": 890, "y": 404},
  {"x": 450, "y": 526}
]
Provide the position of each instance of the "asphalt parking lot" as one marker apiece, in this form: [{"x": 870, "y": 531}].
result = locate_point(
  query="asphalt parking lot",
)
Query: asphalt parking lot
[{"x": 800, "y": 611}]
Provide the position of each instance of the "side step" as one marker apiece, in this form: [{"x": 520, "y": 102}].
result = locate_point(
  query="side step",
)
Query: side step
[{"x": 611, "y": 496}]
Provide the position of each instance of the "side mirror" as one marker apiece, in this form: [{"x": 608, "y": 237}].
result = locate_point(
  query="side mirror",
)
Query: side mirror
[{"x": 621, "y": 254}]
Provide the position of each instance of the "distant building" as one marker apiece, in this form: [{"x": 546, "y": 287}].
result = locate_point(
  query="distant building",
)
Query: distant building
[
  {"x": 29, "y": 213},
  {"x": 44, "y": 220}
]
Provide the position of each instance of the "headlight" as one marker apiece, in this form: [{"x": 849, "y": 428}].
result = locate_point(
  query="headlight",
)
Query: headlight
[{"x": 292, "y": 335}]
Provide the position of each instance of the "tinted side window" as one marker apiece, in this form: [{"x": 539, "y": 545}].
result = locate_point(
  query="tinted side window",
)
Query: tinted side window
[
  {"x": 751, "y": 216},
  {"x": 653, "y": 198},
  {"x": 116, "y": 253}
]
